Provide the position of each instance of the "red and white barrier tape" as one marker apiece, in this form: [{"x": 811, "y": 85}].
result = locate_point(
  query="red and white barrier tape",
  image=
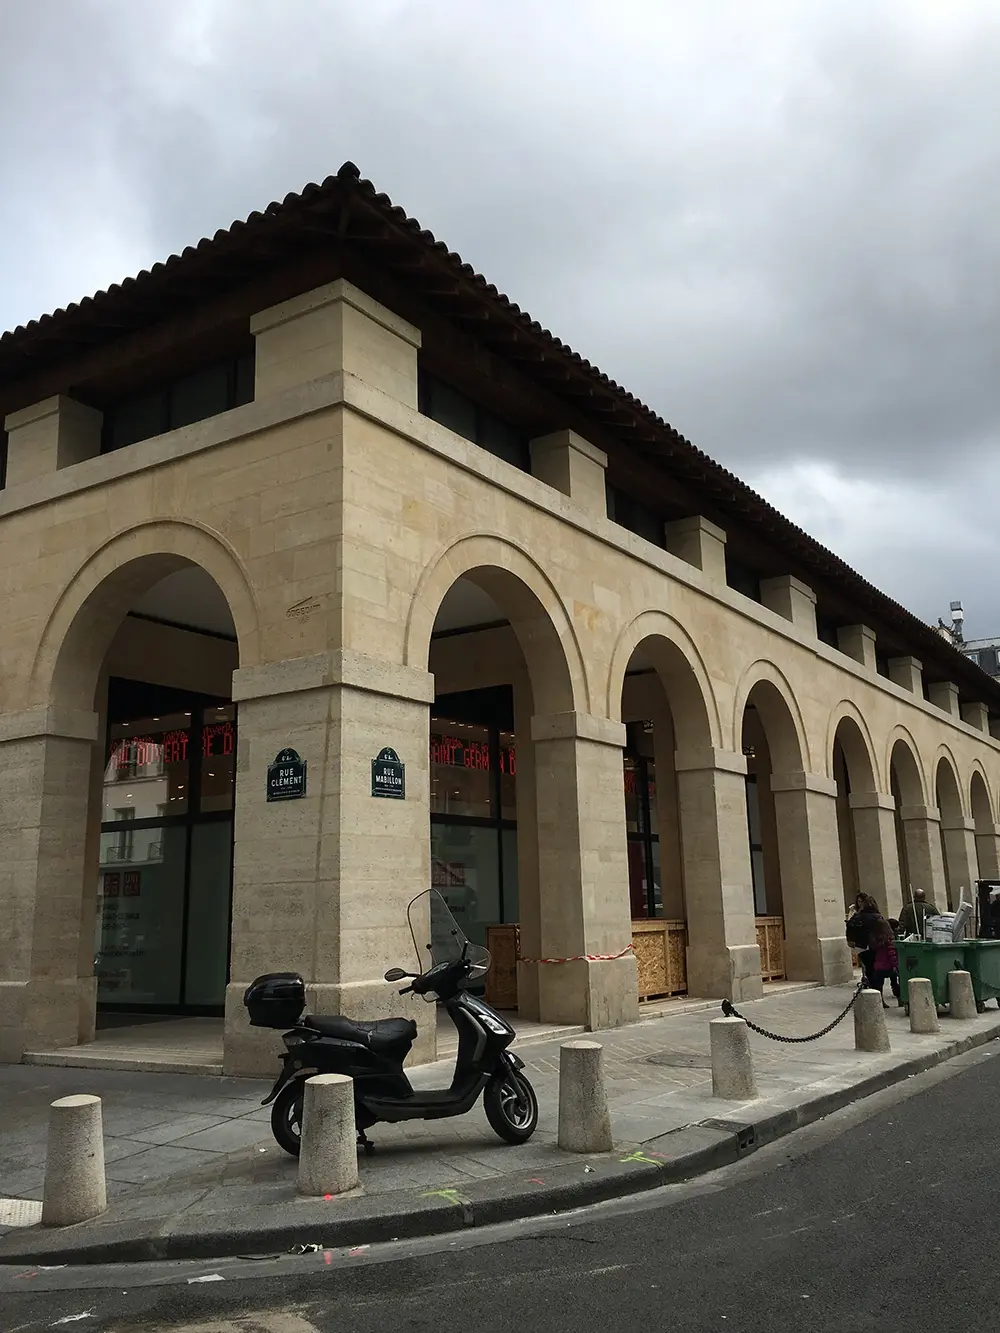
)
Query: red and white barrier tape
[{"x": 582, "y": 957}]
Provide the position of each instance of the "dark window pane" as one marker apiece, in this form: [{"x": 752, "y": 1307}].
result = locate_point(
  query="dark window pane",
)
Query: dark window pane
[
  {"x": 218, "y": 757},
  {"x": 133, "y": 419},
  {"x": 208, "y": 913},
  {"x": 503, "y": 440},
  {"x": 3, "y": 459},
  {"x": 452, "y": 409},
  {"x": 203, "y": 394},
  {"x": 245, "y": 366},
  {"x": 461, "y": 779}
]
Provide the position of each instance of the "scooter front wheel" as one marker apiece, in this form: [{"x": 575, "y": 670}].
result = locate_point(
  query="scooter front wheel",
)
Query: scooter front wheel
[
  {"x": 511, "y": 1107},
  {"x": 286, "y": 1117}
]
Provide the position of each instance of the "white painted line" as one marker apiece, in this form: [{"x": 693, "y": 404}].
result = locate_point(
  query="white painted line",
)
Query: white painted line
[{"x": 20, "y": 1212}]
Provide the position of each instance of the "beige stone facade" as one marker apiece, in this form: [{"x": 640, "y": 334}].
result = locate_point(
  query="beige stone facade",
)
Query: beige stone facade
[{"x": 336, "y": 519}]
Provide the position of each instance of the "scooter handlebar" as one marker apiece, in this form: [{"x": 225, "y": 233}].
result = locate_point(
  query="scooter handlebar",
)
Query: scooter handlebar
[{"x": 407, "y": 990}]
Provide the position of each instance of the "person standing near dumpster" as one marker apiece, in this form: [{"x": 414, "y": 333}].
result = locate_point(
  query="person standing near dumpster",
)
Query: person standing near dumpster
[
  {"x": 885, "y": 963},
  {"x": 866, "y": 928},
  {"x": 915, "y": 913}
]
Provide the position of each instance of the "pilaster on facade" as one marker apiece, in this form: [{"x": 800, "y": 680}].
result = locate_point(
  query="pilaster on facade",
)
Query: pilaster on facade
[
  {"x": 873, "y": 815},
  {"x": 943, "y": 694},
  {"x": 792, "y": 599},
  {"x": 335, "y": 329},
  {"x": 49, "y": 436},
  {"x": 858, "y": 641},
  {"x": 977, "y": 715},
  {"x": 570, "y": 464},
  {"x": 699, "y": 543}
]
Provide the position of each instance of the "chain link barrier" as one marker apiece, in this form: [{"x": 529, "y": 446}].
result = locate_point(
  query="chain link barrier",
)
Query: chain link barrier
[{"x": 730, "y": 1011}]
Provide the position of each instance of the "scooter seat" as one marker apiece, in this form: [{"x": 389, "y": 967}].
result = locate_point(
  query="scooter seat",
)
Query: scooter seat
[{"x": 381, "y": 1036}]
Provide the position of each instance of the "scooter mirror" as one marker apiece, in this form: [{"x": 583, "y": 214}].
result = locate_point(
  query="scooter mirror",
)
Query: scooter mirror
[{"x": 396, "y": 974}]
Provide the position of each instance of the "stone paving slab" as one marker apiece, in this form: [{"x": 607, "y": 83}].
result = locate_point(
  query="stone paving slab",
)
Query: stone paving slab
[{"x": 204, "y": 1186}]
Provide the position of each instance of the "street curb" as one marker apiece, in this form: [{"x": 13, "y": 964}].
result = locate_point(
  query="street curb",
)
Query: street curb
[{"x": 680, "y": 1155}]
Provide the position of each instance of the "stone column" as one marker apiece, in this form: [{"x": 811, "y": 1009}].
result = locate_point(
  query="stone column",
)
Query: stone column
[
  {"x": 922, "y": 831},
  {"x": 583, "y": 872},
  {"x": 805, "y": 807},
  {"x": 321, "y": 884},
  {"x": 874, "y": 816},
  {"x": 988, "y": 852},
  {"x": 723, "y": 957},
  {"x": 45, "y": 775},
  {"x": 962, "y": 870}
]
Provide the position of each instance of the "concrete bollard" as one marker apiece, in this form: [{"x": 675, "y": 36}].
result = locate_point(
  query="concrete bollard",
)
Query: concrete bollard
[
  {"x": 961, "y": 996},
  {"x": 923, "y": 1007},
  {"x": 732, "y": 1062},
  {"x": 75, "y": 1187},
  {"x": 870, "y": 1031},
  {"x": 328, "y": 1156},
  {"x": 584, "y": 1118}
]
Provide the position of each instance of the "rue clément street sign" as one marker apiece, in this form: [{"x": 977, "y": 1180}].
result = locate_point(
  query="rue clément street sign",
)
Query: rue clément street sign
[
  {"x": 388, "y": 775},
  {"x": 286, "y": 777}
]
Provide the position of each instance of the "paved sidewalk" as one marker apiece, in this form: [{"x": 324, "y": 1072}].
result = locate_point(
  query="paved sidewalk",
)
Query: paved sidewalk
[{"x": 192, "y": 1168}]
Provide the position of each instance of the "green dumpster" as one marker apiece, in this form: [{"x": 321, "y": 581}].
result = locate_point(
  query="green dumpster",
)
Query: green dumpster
[
  {"x": 933, "y": 961},
  {"x": 982, "y": 962}
]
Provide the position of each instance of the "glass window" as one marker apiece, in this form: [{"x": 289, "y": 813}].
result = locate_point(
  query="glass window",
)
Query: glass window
[
  {"x": 511, "y": 901},
  {"x": 208, "y": 913},
  {"x": 633, "y": 802},
  {"x": 148, "y": 767},
  {"x": 245, "y": 371},
  {"x": 140, "y": 913},
  {"x": 465, "y": 870},
  {"x": 452, "y": 409},
  {"x": 3, "y": 458},
  {"x": 508, "y": 776},
  {"x": 503, "y": 440},
  {"x": 139, "y": 417},
  {"x": 202, "y": 394},
  {"x": 218, "y": 757},
  {"x": 461, "y": 780}
]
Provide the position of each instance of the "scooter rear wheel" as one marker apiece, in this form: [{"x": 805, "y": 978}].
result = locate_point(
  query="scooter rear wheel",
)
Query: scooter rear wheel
[
  {"x": 286, "y": 1117},
  {"x": 511, "y": 1107}
]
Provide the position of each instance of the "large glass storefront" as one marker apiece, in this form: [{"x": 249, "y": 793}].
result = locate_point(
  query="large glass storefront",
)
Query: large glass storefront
[
  {"x": 474, "y": 807},
  {"x": 166, "y": 855},
  {"x": 644, "y": 884}
]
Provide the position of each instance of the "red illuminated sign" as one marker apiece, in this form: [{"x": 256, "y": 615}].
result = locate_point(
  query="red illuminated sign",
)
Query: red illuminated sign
[
  {"x": 454, "y": 753},
  {"x": 218, "y": 739}
]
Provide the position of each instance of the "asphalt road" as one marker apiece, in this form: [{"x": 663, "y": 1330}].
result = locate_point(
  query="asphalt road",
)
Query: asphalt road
[{"x": 886, "y": 1216}]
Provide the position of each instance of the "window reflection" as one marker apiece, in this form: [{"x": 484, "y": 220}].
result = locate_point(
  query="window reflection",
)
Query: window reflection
[{"x": 147, "y": 771}]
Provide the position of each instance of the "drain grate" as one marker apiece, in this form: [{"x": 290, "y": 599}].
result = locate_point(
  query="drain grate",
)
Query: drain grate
[
  {"x": 677, "y": 1060},
  {"x": 20, "y": 1212}
]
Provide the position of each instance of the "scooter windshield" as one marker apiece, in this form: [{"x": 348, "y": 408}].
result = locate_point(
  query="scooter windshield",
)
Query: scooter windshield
[{"x": 438, "y": 938}]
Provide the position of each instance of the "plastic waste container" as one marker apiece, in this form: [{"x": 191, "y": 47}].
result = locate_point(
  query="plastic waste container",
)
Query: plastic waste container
[
  {"x": 919, "y": 958},
  {"x": 982, "y": 962}
]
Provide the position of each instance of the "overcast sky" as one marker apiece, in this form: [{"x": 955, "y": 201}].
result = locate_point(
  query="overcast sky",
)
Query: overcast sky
[{"x": 776, "y": 222}]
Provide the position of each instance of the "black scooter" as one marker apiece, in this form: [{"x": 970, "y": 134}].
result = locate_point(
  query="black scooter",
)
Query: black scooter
[{"x": 373, "y": 1053}]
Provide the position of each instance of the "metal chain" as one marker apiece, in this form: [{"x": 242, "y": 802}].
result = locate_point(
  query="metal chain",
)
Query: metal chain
[{"x": 730, "y": 1011}]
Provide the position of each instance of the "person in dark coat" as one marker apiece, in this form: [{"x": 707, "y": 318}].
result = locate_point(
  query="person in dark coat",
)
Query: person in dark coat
[
  {"x": 884, "y": 962},
  {"x": 864, "y": 931},
  {"x": 915, "y": 913}
]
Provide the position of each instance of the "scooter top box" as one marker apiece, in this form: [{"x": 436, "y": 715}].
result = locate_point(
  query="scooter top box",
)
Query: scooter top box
[{"x": 275, "y": 1000}]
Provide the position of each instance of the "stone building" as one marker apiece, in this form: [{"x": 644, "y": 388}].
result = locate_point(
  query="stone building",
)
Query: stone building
[{"x": 314, "y": 485}]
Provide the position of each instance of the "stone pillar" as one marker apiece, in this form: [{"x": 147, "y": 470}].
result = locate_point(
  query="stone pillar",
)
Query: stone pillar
[
  {"x": 805, "y": 807},
  {"x": 961, "y": 868},
  {"x": 50, "y": 435},
  {"x": 792, "y": 599},
  {"x": 570, "y": 464},
  {"x": 700, "y": 543},
  {"x": 922, "y": 831},
  {"x": 335, "y": 329},
  {"x": 874, "y": 816},
  {"x": 908, "y": 673},
  {"x": 977, "y": 715},
  {"x": 583, "y": 872},
  {"x": 988, "y": 851},
  {"x": 723, "y": 957},
  {"x": 943, "y": 694},
  {"x": 858, "y": 641},
  {"x": 45, "y": 775},
  {"x": 321, "y": 884}
]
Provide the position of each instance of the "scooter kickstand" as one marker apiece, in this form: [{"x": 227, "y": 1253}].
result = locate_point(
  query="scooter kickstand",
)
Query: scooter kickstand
[{"x": 365, "y": 1142}]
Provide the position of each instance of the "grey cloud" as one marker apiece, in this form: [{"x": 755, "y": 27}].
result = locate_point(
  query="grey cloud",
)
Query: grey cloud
[{"x": 775, "y": 222}]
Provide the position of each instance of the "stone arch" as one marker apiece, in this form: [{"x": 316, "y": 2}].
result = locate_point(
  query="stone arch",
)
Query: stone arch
[
  {"x": 79, "y": 630},
  {"x": 680, "y": 668},
  {"x": 981, "y": 799},
  {"x": 852, "y": 766},
  {"x": 764, "y": 686},
  {"x": 902, "y": 761},
  {"x": 534, "y": 607},
  {"x": 850, "y": 730},
  {"x": 947, "y": 789}
]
